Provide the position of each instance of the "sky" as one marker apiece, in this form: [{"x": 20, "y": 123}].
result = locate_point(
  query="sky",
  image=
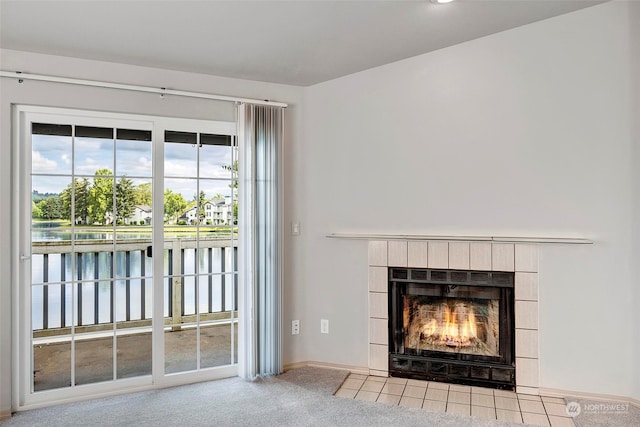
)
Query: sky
[{"x": 53, "y": 155}]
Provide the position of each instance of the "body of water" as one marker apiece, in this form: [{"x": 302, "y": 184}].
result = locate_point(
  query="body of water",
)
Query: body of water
[{"x": 199, "y": 270}]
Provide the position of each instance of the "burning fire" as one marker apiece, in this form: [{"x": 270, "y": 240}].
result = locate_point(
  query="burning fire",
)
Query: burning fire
[{"x": 452, "y": 332}]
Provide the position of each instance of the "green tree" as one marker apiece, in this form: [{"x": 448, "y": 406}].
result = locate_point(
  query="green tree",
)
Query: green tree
[
  {"x": 35, "y": 210},
  {"x": 101, "y": 196},
  {"x": 201, "y": 200},
  {"x": 174, "y": 204},
  {"x": 142, "y": 194},
  {"x": 233, "y": 168},
  {"x": 79, "y": 188},
  {"x": 50, "y": 207},
  {"x": 235, "y": 212},
  {"x": 125, "y": 199}
]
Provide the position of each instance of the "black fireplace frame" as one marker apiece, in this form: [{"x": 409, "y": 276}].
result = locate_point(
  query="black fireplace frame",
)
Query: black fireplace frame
[{"x": 457, "y": 368}]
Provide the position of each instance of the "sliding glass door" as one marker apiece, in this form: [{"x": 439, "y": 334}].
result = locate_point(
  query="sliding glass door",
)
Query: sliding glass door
[
  {"x": 200, "y": 241},
  {"x": 128, "y": 252}
]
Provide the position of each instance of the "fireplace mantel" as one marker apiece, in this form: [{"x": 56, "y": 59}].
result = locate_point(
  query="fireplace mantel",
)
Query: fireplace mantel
[{"x": 496, "y": 239}]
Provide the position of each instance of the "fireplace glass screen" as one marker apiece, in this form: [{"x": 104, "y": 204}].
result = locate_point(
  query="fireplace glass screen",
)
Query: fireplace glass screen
[
  {"x": 465, "y": 320},
  {"x": 452, "y": 326}
]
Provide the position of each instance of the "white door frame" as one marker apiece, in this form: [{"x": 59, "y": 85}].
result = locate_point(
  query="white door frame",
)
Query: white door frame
[{"x": 22, "y": 396}]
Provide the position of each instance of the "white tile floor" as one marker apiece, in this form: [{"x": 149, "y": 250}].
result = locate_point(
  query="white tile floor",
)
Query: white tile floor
[{"x": 458, "y": 399}]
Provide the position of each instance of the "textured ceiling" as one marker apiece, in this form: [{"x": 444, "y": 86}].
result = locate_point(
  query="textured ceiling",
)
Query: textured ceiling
[{"x": 290, "y": 42}]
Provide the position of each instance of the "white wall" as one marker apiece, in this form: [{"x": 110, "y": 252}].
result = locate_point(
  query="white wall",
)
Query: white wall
[
  {"x": 526, "y": 132},
  {"x": 634, "y": 16},
  {"x": 59, "y": 95}
]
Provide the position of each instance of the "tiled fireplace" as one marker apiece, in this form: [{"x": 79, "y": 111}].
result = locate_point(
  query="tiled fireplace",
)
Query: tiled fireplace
[{"x": 519, "y": 258}]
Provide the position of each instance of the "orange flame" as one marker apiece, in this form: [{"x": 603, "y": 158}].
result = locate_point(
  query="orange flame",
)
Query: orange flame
[{"x": 452, "y": 332}]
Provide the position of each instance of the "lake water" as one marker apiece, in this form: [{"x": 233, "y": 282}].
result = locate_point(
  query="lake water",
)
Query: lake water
[{"x": 195, "y": 271}]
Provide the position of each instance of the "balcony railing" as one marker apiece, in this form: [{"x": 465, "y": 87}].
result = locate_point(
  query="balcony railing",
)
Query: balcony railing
[{"x": 200, "y": 283}]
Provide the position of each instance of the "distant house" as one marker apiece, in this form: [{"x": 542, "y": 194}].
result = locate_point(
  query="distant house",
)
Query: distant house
[
  {"x": 216, "y": 212},
  {"x": 141, "y": 215}
]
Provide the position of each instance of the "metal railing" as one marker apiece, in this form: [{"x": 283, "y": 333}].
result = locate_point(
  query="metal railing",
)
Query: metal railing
[{"x": 89, "y": 285}]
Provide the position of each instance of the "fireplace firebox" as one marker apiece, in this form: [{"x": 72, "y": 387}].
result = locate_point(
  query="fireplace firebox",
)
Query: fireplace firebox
[{"x": 452, "y": 326}]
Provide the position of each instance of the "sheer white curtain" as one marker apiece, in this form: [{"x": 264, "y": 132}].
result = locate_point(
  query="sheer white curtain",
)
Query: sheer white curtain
[{"x": 260, "y": 135}]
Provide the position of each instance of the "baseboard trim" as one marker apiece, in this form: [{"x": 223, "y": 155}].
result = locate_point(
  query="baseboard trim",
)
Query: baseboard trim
[
  {"x": 353, "y": 369},
  {"x": 5, "y": 414},
  {"x": 554, "y": 392}
]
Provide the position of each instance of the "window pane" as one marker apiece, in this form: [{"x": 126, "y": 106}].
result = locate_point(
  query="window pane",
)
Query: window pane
[
  {"x": 92, "y": 155},
  {"x": 51, "y": 154},
  {"x": 133, "y": 156},
  {"x": 215, "y": 156}
]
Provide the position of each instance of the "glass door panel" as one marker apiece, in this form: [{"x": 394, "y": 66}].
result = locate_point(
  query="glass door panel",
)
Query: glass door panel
[
  {"x": 91, "y": 286},
  {"x": 200, "y": 208}
]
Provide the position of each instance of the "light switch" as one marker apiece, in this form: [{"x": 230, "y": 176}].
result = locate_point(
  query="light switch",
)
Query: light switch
[
  {"x": 324, "y": 326},
  {"x": 295, "y": 228}
]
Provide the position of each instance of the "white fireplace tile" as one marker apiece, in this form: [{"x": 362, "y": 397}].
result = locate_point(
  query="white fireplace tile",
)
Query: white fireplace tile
[
  {"x": 527, "y": 372},
  {"x": 458, "y": 397},
  {"x": 526, "y": 288},
  {"x": 378, "y": 357},
  {"x": 375, "y": 386},
  {"x": 527, "y": 343},
  {"x": 458, "y": 409},
  {"x": 378, "y": 305},
  {"x": 417, "y": 254},
  {"x": 531, "y": 406},
  {"x": 526, "y": 315},
  {"x": 502, "y": 257},
  {"x": 395, "y": 389},
  {"x": 434, "y": 406},
  {"x": 367, "y": 396},
  {"x": 505, "y": 393},
  {"x": 378, "y": 253},
  {"x": 525, "y": 392},
  {"x": 550, "y": 399},
  {"x": 389, "y": 399},
  {"x": 397, "y": 253},
  {"x": 413, "y": 391},
  {"x": 482, "y": 400},
  {"x": 376, "y": 373},
  {"x": 506, "y": 403},
  {"x": 378, "y": 279},
  {"x": 526, "y": 257},
  {"x": 480, "y": 256},
  {"x": 438, "y": 254},
  {"x": 459, "y": 255},
  {"x": 394, "y": 380},
  {"x": 379, "y": 331},
  {"x": 483, "y": 412},
  {"x": 510, "y": 416},
  {"x": 410, "y": 402}
]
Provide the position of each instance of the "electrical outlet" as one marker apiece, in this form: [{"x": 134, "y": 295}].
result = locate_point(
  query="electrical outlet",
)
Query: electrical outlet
[
  {"x": 324, "y": 326},
  {"x": 295, "y": 327}
]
